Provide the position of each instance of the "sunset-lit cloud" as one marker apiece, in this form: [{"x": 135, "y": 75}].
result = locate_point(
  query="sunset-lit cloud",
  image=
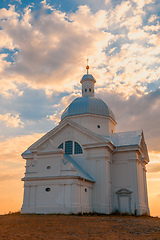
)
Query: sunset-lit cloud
[
  {"x": 62, "y": 38},
  {"x": 153, "y": 180},
  {"x": 12, "y": 148},
  {"x": 11, "y": 120},
  {"x": 51, "y": 50},
  {"x": 12, "y": 168}
]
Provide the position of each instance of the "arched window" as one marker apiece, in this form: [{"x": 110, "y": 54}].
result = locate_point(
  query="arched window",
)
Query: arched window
[
  {"x": 77, "y": 148},
  {"x": 69, "y": 147},
  {"x": 61, "y": 146}
]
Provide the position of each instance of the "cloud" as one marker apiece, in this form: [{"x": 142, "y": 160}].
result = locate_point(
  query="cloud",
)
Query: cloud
[
  {"x": 50, "y": 50},
  {"x": 154, "y": 168},
  {"x": 46, "y": 6},
  {"x": 12, "y": 148},
  {"x": 152, "y": 18},
  {"x": 9, "y": 177},
  {"x": 137, "y": 34},
  {"x": 136, "y": 112},
  {"x": 11, "y": 120},
  {"x": 50, "y": 46},
  {"x": 19, "y": 1},
  {"x": 12, "y": 169},
  {"x": 142, "y": 3},
  {"x": 9, "y": 14},
  {"x": 55, "y": 117},
  {"x": 59, "y": 108},
  {"x": 6, "y": 42}
]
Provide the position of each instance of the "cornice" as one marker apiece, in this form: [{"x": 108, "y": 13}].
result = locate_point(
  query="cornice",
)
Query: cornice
[
  {"x": 97, "y": 158},
  {"x": 49, "y": 153},
  {"x": 98, "y": 145},
  {"x": 54, "y": 178},
  {"x": 127, "y": 148},
  {"x": 93, "y": 145},
  {"x": 89, "y": 115}
]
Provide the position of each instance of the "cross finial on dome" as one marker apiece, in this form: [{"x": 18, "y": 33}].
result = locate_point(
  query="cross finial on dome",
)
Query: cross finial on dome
[{"x": 87, "y": 67}]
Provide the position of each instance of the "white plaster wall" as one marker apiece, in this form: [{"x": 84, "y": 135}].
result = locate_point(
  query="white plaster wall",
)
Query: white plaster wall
[
  {"x": 142, "y": 188},
  {"x": 128, "y": 173},
  {"x": 134, "y": 184},
  {"x": 90, "y": 121},
  {"x": 39, "y": 168},
  {"x": 86, "y": 85},
  {"x": 121, "y": 175},
  {"x": 65, "y": 196},
  {"x": 70, "y": 133},
  {"x": 85, "y": 199},
  {"x": 124, "y": 177},
  {"x": 53, "y": 161},
  {"x": 98, "y": 166}
]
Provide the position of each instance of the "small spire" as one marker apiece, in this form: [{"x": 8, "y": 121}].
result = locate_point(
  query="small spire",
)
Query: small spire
[{"x": 87, "y": 67}]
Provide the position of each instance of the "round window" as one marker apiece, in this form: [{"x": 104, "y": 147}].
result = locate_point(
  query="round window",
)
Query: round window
[
  {"x": 48, "y": 189},
  {"x": 98, "y": 126},
  {"x": 48, "y": 167}
]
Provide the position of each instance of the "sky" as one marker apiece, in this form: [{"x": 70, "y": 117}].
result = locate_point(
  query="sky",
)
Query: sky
[{"x": 43, "y": 50}]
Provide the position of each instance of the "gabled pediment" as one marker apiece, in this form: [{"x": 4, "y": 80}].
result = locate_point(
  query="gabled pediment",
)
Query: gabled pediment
[
  {"x": 60, "y": 129},
  {"x": 48, "y": 147}
]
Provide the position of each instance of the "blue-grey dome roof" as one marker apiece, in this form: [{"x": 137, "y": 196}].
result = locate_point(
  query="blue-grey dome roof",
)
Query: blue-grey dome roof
[{"x": 87, "y": 104}]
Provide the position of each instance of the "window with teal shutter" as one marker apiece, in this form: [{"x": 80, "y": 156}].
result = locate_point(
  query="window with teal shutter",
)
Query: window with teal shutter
[
  {"x": 69, "y": 147},
  {"x": 77, "y": 148},
  {"x": 60, "y": 146}
]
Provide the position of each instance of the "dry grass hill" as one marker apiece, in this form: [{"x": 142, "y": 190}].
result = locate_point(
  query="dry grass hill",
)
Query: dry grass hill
[{"x": 47, "y": 227}]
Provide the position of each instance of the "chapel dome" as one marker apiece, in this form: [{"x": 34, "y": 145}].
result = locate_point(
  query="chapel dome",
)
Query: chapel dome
[{"x": 87, "y": 104}]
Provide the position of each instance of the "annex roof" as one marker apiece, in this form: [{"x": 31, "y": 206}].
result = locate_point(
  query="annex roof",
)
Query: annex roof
[
  {"x": 81, "y": 172},
  {"x": 123, "y": 139},
  {"x": 27, "y": 152}
]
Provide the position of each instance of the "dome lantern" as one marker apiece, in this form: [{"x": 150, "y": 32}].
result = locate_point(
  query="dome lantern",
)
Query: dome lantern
[
  {"x": 88, "y": 104},
  {"x": 87, "y": 82}
]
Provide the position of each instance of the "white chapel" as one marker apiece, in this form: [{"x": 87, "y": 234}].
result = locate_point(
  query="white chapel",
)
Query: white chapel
[{"x": 84, "y": 165}]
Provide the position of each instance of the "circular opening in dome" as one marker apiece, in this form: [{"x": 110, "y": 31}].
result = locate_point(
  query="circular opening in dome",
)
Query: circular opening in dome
[
  {"x": 98, "y": 126},
  {"x": 48, "y": 167}
]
